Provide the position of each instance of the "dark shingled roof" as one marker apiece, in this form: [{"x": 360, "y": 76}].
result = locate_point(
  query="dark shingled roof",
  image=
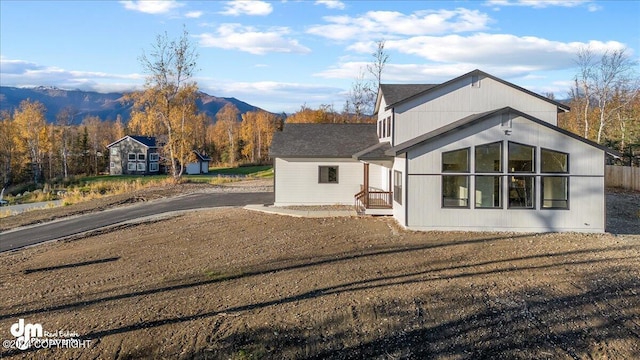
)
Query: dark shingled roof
[
  {"x": 147, "y": 141},
  {"x": 323, "y": 140},
  {"x": 375, "y": 152},
  {"x": 394, "y": 93}
]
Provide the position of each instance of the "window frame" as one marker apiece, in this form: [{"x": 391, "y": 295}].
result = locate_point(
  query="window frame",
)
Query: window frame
[
  {"x": 153, "y": 165},
  {"x": 397, "y": 186},
  {"x": 510, "y": 181},
  {"x": 442, "y": 193},
  {"x": 141, "y": 166},
  {"x": 468, "y": 165},
  {"x": 329, "y": 167},
  {"x": 567, "y": 193},
  {"x": 500, "y": 191},
  {"x": 131, "y": 166},
  {"x": 131, "y": 156},
  {"x": 114, "y": 151},
  {"x": 142, "y": 157},
  {"x": 475, "y": 159},
  {"x": 154, "y": 156},
  {"x": 533, "y": 158},
  {"x": 553, "y": 172}
]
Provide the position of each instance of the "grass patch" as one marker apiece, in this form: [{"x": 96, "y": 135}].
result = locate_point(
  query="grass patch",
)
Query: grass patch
[{"x": 242, "y": 170}]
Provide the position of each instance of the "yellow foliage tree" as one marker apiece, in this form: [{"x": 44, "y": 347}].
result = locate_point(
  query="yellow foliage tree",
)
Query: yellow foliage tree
[{"x": 31, "y": 134}]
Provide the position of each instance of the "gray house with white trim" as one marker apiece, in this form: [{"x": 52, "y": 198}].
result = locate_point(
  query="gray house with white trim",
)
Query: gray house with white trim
[
  {"x": 474, "y": 153},
  {"x": 134, "y": 155}
]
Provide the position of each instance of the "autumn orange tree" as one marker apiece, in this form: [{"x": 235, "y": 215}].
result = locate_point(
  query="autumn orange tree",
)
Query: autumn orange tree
[
  {"x": 256, "y": 132},
  {"x": 167, "y": 105},
  {"x": 31, "y": 136}
]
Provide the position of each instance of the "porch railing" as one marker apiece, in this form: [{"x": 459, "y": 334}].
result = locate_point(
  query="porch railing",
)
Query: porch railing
[{"x": 373, "y": 199}]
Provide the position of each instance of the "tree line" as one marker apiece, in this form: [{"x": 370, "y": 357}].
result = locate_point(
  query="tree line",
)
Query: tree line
[{"x": 605, "y": 102}]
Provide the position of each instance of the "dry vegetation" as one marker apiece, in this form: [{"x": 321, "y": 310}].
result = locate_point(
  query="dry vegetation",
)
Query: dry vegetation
[{"x": 233, "y": 284}]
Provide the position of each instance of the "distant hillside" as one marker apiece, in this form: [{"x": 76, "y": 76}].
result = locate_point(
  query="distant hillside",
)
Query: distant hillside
[{"x": 106, "y": 106}]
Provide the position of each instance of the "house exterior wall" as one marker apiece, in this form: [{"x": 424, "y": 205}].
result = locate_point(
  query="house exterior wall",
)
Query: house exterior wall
[
  {"x": 460, "y": 99},
  {"x": 586, "y": 183},
  {"x": 297, "y": 181}
]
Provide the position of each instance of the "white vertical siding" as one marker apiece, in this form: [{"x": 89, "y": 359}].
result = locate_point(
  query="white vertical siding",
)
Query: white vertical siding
[
  {"x": 586, "y": 183},
  {"x": 460, "y": 99},
  {"x": 297, "y": 182}
]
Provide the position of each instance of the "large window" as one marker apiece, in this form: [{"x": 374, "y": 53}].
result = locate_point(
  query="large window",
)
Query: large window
[
  {"x": 328, "y": 174},
  {"x": 397, "y": 186},
  {"x": 456, "y": 161},
  {"x": 517, "y": 179},
  {"x": 554, "y": 161},
  {"x": 489, "y": 158},
  {"x": 555, "y": 192},
  {"x": 521, "y": 192},
  {"x": 455, "y": 191},
  {"x": 521, "y": 158},
  {"x": 488, "y": 190},
  {"x": 555, "y": 189}
]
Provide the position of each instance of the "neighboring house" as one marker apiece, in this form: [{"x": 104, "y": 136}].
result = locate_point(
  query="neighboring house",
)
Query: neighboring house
[
  {"x": 473, "y": 153},
  {"x": 134, "y": 155},
  {"x": 200, "y": 166}
]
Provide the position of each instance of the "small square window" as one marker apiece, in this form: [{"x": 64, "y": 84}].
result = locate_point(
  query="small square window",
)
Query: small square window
[
  {"x": 142, "y": 157},
  {"x": 131, "y": 166},
  {"x": 153, "y": 166},
  {"x": 456, "y": 161},
  {"x": 154, "y": 157},
  {"x": 328, "y": 174},
  {"x": 555, "y": 192},
  {"x": 115, "y": 151},
  {"x": 131, "y": 157},
  {"x": 141, "y": 167},
  {"x": 554, "y": 161}
]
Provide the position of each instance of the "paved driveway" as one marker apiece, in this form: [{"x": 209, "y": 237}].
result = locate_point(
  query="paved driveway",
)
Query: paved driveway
[{"x": 15, "y": 239}]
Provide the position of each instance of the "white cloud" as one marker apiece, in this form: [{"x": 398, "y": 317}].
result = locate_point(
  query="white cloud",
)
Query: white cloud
[
  {"x": 247, "y": 7},
  {"x": 497, "y": 50},
  {"x": 20, "y": 73},
  {"x": 193, "y": 14},
  {"x": 540, "y": 4},
  {"x": 389, "y": 24},
  {"x": 248, "y": 39},
  {"x": 151, "y": 7},
  {"x": 331, "y": 4}
]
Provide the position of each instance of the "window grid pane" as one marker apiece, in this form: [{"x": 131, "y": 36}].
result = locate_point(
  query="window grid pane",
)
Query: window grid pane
[
  {"x": 555, "y": 192},
  {"x": 455, "y": 161},
  {"x": 554, "y": 161},
  {"x": 521, "y": 158},
  {"x": 455, "y": 191},
  {"x": 489, "y": 158},
  {"x": 488, "y": 190},
  {"x": 521, "y": 192}
]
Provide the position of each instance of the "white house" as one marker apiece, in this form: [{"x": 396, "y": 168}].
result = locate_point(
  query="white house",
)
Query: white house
[{"x": 474, "y": 153}]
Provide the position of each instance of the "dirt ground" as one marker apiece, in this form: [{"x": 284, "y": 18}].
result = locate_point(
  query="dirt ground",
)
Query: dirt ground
[{"x": 235, "y": 284}]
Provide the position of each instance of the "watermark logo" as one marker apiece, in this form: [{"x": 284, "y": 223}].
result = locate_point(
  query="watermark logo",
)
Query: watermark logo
[
  {"x": 24, "y": 333},
  {"x": 29, "y": 335}
]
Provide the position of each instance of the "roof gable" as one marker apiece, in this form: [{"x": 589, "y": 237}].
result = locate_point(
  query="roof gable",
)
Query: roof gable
[
  {"x": 399, "y": 94},
  {"x": 147, "y": 141},
  {"x": 476, "y": 118},
  {"x": 322, "y": 140}
]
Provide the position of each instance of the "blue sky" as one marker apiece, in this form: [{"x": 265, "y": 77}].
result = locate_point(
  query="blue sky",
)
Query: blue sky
[{"x": 280, "y": 55}]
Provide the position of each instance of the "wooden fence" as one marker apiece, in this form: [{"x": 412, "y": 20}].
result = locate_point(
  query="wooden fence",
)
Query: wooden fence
[{"x": 625, "y": 177}]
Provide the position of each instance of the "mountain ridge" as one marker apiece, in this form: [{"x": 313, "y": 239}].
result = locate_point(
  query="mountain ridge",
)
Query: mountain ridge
[{"x": 107, "y": 106}]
